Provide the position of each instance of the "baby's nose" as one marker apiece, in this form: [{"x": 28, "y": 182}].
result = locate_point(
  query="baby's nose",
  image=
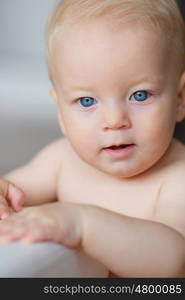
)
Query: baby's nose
[{"x": 115, "y": 117}]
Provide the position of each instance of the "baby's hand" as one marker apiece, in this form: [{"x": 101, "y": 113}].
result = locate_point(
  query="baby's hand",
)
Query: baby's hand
[
  {"x": 55, "y": 222},
  {"x": 11, "y": 198}
]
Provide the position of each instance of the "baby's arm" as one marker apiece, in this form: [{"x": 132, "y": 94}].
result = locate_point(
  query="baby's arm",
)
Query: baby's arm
[
  {"x": 38, "y": 178},
  {"x": 132, "y": 247},
  {"x": 136, "y": 247},
  {"x": 128, "y": 247}
]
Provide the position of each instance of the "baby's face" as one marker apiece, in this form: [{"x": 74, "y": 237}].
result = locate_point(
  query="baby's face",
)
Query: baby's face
[{"x": 117, "y": 96}]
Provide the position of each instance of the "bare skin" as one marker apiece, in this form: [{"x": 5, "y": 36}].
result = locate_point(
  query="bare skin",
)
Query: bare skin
[
  {"x": 72, "y": 222},
  {"x": 11, "y": 198},
  {"x": 135, "y": 202}
]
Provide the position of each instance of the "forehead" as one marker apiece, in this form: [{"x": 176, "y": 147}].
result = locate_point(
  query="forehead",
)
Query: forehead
[{"x": 83, "y": 49}]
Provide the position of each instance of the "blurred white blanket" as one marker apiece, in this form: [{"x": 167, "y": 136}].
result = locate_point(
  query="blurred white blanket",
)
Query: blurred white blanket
[{"x": 46, "y": 260}]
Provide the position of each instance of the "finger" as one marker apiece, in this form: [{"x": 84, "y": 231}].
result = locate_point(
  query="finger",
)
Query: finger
[
  {"x": 10, "y": 233},
  {"x": 4, "y": 209},
  {"x": 15, "y": 197},
  {"x": 19, "y": 232}
]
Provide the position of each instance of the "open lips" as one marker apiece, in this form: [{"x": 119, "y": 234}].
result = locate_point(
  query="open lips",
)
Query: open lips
[
  {"x": 119, "y": 151},
  {"x": 122, "y": 146}
]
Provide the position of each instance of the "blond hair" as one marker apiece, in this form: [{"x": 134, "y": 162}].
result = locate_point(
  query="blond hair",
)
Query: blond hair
[{"x": 160, "y": 14}]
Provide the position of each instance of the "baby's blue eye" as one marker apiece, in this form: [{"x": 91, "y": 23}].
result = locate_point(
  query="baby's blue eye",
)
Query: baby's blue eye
[
  {"x": 86, "y": 101},
  {"x": 141, "y": 96}
]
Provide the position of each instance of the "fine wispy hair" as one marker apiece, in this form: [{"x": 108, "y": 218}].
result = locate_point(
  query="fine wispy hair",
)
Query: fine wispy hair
[{"x": 163, "y": 15}]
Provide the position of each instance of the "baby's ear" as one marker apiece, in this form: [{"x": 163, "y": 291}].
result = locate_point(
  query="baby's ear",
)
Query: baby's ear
[
  {"x": 53, "y": 94},
  {"x": 181, "y": 99}
]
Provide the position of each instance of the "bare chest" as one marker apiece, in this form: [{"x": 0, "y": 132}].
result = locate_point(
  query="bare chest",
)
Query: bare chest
[{"x": 80, "y": 184}]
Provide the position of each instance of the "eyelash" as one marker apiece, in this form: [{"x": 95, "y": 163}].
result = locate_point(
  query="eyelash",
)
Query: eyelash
[
  {"x": 78, "y": 101},
  {"x": 140, "y": 92},
  {"x": 149, "y": 94}
]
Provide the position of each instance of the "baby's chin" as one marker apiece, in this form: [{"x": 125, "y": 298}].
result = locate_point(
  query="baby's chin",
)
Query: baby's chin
[
  {"x": 123, "y": 173},
  {"x": 127, "y": 169},
  {"x": 124, "y": 169},
  {"x": 119, "y": 170}
]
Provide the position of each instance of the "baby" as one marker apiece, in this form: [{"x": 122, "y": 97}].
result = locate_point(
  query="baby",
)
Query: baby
[{"x": 114, "y": 185}]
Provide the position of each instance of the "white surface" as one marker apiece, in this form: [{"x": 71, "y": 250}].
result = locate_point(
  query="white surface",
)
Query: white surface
[{"x": 46, "y": 260}]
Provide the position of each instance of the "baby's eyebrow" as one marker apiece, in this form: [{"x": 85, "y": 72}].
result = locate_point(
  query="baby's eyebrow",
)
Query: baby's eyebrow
[
  {"x": 148, "y": 79},
  {"x": 81, "y": 88},
  {"x": 133, "y": 82},
  {"x": 127, "y": 82}
]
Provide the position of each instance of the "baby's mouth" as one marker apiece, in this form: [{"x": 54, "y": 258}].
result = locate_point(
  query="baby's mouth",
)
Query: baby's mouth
[
  {"x": 119, "y": 151},
  {"x": 119, "y": 147}
]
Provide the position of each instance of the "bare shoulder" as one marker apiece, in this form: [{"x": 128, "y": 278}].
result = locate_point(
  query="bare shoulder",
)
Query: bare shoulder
[
  {"x": 175, "y": 168},
  {"x": 171, "y": 203},
  {"x": 52, "y": 152},
  {"x": 38, "y": 178}
]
